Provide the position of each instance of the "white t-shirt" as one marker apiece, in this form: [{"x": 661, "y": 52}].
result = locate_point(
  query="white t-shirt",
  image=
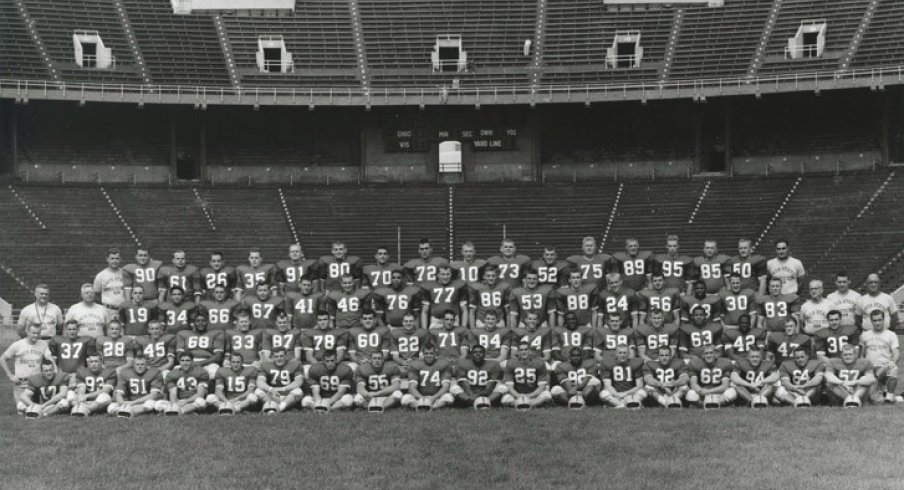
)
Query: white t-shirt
[
  {"x": 845, "y": 303},
  {"x": 788, "y": 270},
  {"x": 28, "y": 356},
  {"x": 814, "y": 315},
  {"x": 869, "y": 303},
  {"x": 109, "y": 284},
  {"x": 91, "y": 319},
  {"x": 49, "y": 316},
  {"x": 879, "y": 346}
]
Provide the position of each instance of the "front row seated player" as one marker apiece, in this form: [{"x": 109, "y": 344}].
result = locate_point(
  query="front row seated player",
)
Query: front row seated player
[
  {"x": 279, "y": 382},
  {"x": 623, "y": 385},
  {"x": 235, "y": 387},
  {"x": 379, "y": 384},
  {"x": 849, "y": 379},
  {"x": 330, "y": 383},
  {"x": 800, "y": 379},
  {"x": 754, "y": 378},
  {"x": 428, "y": 382},
  {"x": 527, "y": 380},
  {"x": 45, "y": 394},
  {"x": 137, "y": 389},
  {"x": 577, "y": 381},
  {"x": 478, "y": 380},
  {"x": 710, "y": 380},
  {"x": 186, "y": 386},
  {"x": 93, "y": 387},
  {"x": 665, "y": 379}
]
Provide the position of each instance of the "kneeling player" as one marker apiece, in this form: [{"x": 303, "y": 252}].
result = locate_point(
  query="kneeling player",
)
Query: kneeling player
[
  {"x": 187, "y": 387},
  {"x": 754, "y": 378},
  {"x": 45, "y": 394},
  {"x": 576, "y": 378},
  {"x": 666, "y": 379},
  {"x": 93, "y": 387},
  {"x": 527, "y": 380},
  {"x": 137, "y": 389},
  {"x": 800, "y": 379},
  {"x": 710, "y": 380},
  {"x": 279, "y": 381},
  {"x": 622, "y": 379},
  {"x": 378, "y": 383},
  {"x": 330, "y": 383},
  {"x": 234, "y": 386},
  {"x": 428, "y": 382},
  {"x": 479, "y": 381},
  {"x": 850, "y": 378}
]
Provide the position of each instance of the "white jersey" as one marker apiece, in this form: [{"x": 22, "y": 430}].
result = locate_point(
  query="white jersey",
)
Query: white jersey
[
  {"x": 91, "y": 319},
  {"x": 869, "y": 303},
  {"x": 814, "y": 315},
  {"x": 845, "y": 303},
  {"x": 49, "y": 316},
  {"x": 27, "y": 356},
  {"x": 879, "y": 346},
  {"x": 789, "y": 271},
  {"x": 109, "y": 284}
]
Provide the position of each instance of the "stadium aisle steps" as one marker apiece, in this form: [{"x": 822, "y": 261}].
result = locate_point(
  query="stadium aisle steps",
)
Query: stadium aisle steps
[
  {"x": 651, "y": 210},
  {"x": 246, "y": 219},
  {"x": 19, "y": 57},
  {"x": 883, "y": 43}
]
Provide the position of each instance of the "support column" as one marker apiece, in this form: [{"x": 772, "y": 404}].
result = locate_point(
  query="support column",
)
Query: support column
[
  {"x": 202, "y": 146},
  {"x": 14, "y": 138},
  {"x": 172, "y": 152},
  {"x": 729, "y": 163},
  {"x": 698, "y": 137}
]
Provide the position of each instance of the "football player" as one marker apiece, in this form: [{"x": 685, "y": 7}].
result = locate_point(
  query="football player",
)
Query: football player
[
  {"x": 451, "y": 341},
  {"x": 187, "y": 388},
  {"x": 70, "y": 350},
  {"x": 527, "y": 380},
  {"x": 263, "y": 306},
  {"x": 607, "y": 339},
  {"x": 137, "y": 389},
  {"x": 617, "y": 298},
  {"x": 330, "y": 383},
  {"x": 424, "y": 268},
  {"x": 750, "y": 266},
  {"x": 116, "y": 350},
  {"x": 551, "y": 270},
  {"x": 407, "y": 345},
  {"x": 244, "y": 340},
  {"x": 709, "y": 302},
  {"x": 92, "y": 387},
  {"x": 699, "y": 333},
  {"x": 754, "y": 378},
  {"x": 255, "y": 272},
  {"x": 290, "y": 271},
  {"x": 735, "y": 302},
  {"x": 659, "y": 297},
  {"x": 653, "y": 334},
  {"x": 511, "y": 264},
  {"x": 776, "y": 307},
  {"x": 283, "y": 335},
  {"x": 486, "y": 296},
  {"x": 591, "y": 263},
  {"x": 323, "y": 338},
  {"x": 711, "y": 267},
  {"x": 379, "y": 383},
  {"x": 665, "y": 379},
  {"x": 332, "y": 267},
  {"x": 205, "y": 346},
  {"x": 279, "y": 382},
  {"x": 428, "y": 382},
  {"x": 676, "y": 269},
  {"x": 347, "y": 304},
  {"x": 468, "y": 268},
  {"x": 304, "y": 304},
  {"x": 532, "y": 297},
  {"x": 393, "y": 301},
  {"x": 710, "y": 383},
  {"x": 801, "y": 379},
  {"x": 219, "y": 309},
  {"x": 738, "y": 342},
  {"x": 367, "y": 339},
  {"x": 235, "y": 386},
  {"x": 379, "y": 274},
  {"x": 780, "y": 345},
  {"x": 576, "y": 297},
  {"x": 137, "y": 312},
  {"x": 216, "y": 274},
  {"x": 622, "y": 379},
  {"x": 880, "y": 348},
  {"x": 496, "y": 341},
  {"x": 576, "y": 380},
  {"x": 634, "y": 265},
  {"x": 442, "y": 295},
  {"x": 45, "y": 393},
  {"x": 186, "y": 276},
  {"x": 829, "y": 341},
  {"x": 850, "y": 379},
  {"x": 143, "y": 272},
  {"x": 539, "y": 338},
  {"x": 478, "y": 380},
  {"x": 158, "y": 348},
  {"x": 174, "y": 313}
]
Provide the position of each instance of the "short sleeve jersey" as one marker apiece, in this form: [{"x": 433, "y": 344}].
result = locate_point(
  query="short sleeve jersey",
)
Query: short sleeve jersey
[
  {"x": 330, "y": 381},
  {"x": 378, "y": 379},
  {"x": 133, "y": 385},
  {"x": 832, "y": 341},
  {"x": 236, "y": 383},
  {"x": 754, "y": 374},
  {"x": 429, "y": 377},
  {"x": 158, "y": 351},
  {"x": 622, "y": 374},
  {"x": 186, "y": 382},
  {"x": 526, "y": 376},
  {"x": 710, "y": 374}
]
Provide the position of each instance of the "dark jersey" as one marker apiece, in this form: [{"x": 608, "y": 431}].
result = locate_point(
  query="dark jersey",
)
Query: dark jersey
[
  {"x": 135, "y": 318},
  {"x": 480, "y": 378},
  {"x": 754, "y": 374},
  {"x": 831, "y": 341},
  {"x": 782, "y": 346},
  {"x": 526, "y": 376},
  {"x": 428, "y": 377},
  {"x": 623, "y": 375},
  {"x": 634, "y": 268},
  {"x": 693, "y": 338},
  {"x": 304, "y": 308},
  {"x": 330, "y": 381},
  {"x": 710, "y": 374},
  {"x": 70, "y": 354},
  {"x": 186, "y": 382}
]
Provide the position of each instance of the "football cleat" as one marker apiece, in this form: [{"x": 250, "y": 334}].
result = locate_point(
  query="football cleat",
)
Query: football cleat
[
  {"x": 851, "y": 402},
  {"x": 576, "y": 402},
  {"x": 633, "y": 404},
  {"x": 899, "y": 399},
  {"x": 321, "y": 407},
  {"x": 79, "y": 410},
  {"x": 522, "y": 404},
  {"x": 124, "y": 414},
  {"x": 482, "y": 403},
  {"x": 673, "y": 402},
  {"x": 171, "y": 411},
  {"x": 269, "y": 408},
  {"x": 802, "y": 402},
  {"x": 375, "y": 405},
  {"x": 759, "y": 401},
  {"x": 226, "y": 409},
  {"x": 890, "y": 399},
  {"x": 424, "y": 405},
  {"x": 710, "y": 402},
  {"x": 33, "y": 412}
]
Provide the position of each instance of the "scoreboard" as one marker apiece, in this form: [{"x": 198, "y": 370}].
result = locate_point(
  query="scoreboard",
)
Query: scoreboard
[{"x": 412, "y": 139}]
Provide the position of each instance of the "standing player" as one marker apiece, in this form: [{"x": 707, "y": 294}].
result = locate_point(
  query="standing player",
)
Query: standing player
[
  {"x": 712, "y": 267},
  {"x": 251, "y": 275},
  {"x": 42, "y": 312},
  {"x": 206, "y": 347},
  {"x": 263, "y": 306},
  {"x": 489, "y": 295},
  {"x": 576, "y": 380},
  {"x": 777, "y": 307},
  {"x": 496, "y": 341},
  {"x": 393, "y": 301},
  {"x": 710, "y": 383},
  {"x": 780, "y": 345},
  {"x": 116, "y": 349},
  {"x": 551, "y": 270},
  {"x": 881, "y": 349},
  {"x": 219, "y": 309},
  {"x": 348, "y": 303},
  {"x": 592, "y": 265},
  {"x": 93, "y": 386},
  {"x": 665, "y": 379},
  {"x": 157, "y": 347},
  {"x": 186, "y": 385},
  {"x": 622, "y": 379},
  {"x": 527, "y": 381},
  {"x": 739, "y": 341},
  {"x": 605, "y": 340},
  {"x": 70, "y": 351},
  {"x": 634, "y": 264},
  {"x": 379, "y": 274},
  {"x": 428, "y": 382},
  {"x": 143, "y": 272},
  {"x": 653, "y": 334},
  {"x": 800, "y": 379},
  {"x": 185, "y": 276},
  {"x": 479, "y": 381},
  {"x": 709, "y": 303},
  {"x": 235, "y": 386},
  {"x": 751, "y": 267},
  {"x": 786, "y": 268},
  {"x": 424, "y": 268},
  {"x": 850, "y": 379},
  {"x": 279, "y": 382},
  {"x": 468, "y": 268},
  {"x": 754, "y": 378},
  {"x": 813, "y": 312},
  {"x": 137, "y": 312},
  {"x": 844, "y": 299},
  {"x": 532, "y": 297},
  {"x": 137, "y": 389},
  {"x": 304, "y": 304},
  {"x": 330, "y": 383},
  {"x": 339, "y": 263},
  {"x": 578, "y": 298},
  {"x": 444, "y": 295},
  {"x": 659, "y": 297},
  {"x": 91, "y": 317},
  {"x": 511, "y": 264},
  {"x": 379, "y": 384},
  {"x": 699, "y": 333},
  {"x": 829, "y": 341},
  {"x": 735, "y": 302},
  {"x": 217, "y": 273},
  {"x": 451, "y": 341},
  {"x": 290, "y": 271},
  {"x": 109, "y": 283},
  {"x": 874, "y": 300},
  {"x": 676, "y": 269},
  {"x": 323, "y": 338},
  {"x": 45, "y": 394},
  {"x": 366, "y": 340},
  {"x": 175, "y": 312}
]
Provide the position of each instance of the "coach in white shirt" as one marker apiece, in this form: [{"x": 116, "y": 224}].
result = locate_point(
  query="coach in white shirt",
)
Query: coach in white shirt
[
  {"x": 844, "y": 299},
  {"x": 109, "y": 282},
  {"x": 788, "y": 269},
  {"x": 91, "y": 317},
  {"x": 814, "y": 312},
  {"x": 875, "y": 299},
  {"x": 42, "y": 312}
]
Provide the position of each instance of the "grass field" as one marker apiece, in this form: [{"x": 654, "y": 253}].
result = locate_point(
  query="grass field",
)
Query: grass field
[{"x": 545, "y": 448}]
